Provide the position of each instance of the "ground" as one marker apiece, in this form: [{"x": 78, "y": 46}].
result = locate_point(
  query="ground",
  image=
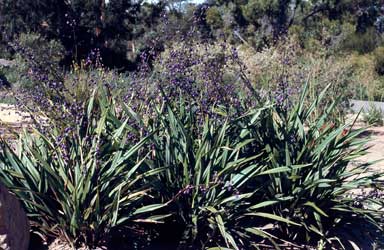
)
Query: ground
[
  {"x": 12, "y": 120},
  {"x": 376, "y": 150}
]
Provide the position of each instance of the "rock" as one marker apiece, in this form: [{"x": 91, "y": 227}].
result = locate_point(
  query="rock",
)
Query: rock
[{"x": 14, "y": 225}]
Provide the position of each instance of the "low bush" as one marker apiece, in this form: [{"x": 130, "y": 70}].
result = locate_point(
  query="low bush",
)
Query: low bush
[
  {"x": 379, "y": 60},
  {"x": 33, "y": 53},
  {"x": 83, "y": 183},
  {"x": 374, "y": 116},
  {"x": 365, "y": 83},
  {"x": 292, "y": 67},
  {"x": 315, "y": 189},
  {"x": 209, "y": 185},
  {"x": 275, "y": 177},
  {"x": 362, "y": 42}
]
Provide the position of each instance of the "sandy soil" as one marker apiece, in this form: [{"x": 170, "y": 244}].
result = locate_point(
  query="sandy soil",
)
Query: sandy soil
[
  {"x": 376, "y": 150},
  {"x": 376, "y": 145},
  {"x": 12, "y": 120},
  {"x": 10, "y": 115}
]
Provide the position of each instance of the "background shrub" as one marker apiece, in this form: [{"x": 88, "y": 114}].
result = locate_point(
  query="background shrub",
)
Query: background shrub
[
  {"x": 33, "y": 52},
  {"x": 289, "y": 66},
  {"x": 379, "y": 60},
  {"x": 373, "y": 116},
  {"x": 363, "y": 42}
]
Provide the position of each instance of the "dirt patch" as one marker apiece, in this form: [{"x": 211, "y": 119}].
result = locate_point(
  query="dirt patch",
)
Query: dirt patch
[
  {"x": 375, "y": 152},
  {"x": 12, "y": 121},
  {"x": 9, "y": 114},
  {"x": 376, "y": 149}
]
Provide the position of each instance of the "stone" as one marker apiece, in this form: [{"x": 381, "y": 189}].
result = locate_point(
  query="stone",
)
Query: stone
[{"x": 14, "y": 225}]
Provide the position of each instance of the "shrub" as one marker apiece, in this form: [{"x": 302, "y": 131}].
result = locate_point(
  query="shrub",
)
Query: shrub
[
  {"x": 4, "y": 83},
  {"x": 82, "y": 78},
  {"x": 274, "y": 177},
  {"x": 214, "y": 19},
  {"x": 45, "y": 51},
  {"x": 44, "y": 54},
  {"x": 374, "y": 116},
  {"x": 365, "y": 83},
  {"x": 379, "y": 60},
  {"x": 290, "y": 65},
  {"x": 82, "y": 183},
  {"x": 59, "y": 95},
  {"x": 222, "y": 162},
  {"x": 362, "y": 42},
  {"x": 205, "y": 75},
  {"x": 322, "y": 35},
  {"x": 209, "y": 186},
  {"x": 315, "y": 190},
  {"x": 278, "y": 175}
]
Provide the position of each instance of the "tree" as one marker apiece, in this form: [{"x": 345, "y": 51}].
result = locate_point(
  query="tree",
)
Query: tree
[{"x": 81, "y": 25}]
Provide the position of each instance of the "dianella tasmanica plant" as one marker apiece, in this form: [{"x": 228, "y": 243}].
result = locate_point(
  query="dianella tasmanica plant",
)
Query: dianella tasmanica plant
[{"x": 81, "y": 183}]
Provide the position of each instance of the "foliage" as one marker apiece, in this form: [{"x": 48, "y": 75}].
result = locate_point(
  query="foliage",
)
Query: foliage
[
  {"x": 83, "y": 183},
  {"x": 374, "y": 116},
  {"x": 268, "y": 21},
  {"x": 289, "y": 65},
  {"x": 48, "y": 54},
  {"x": 84, "y": 77},
  {"x": 325, "y": 35},
  {"x": 220, "y": 143},
  {"x": 317, "y": 182},
  {"x": 123, "y": 29},
  {"x": 379, "y": 60},
  {"x": 366, "y": 83},
  {"x": 45, "y": 90},
  {"x": 213, "y": 17},
  {"x": 277, "y": 175},
  {"x": 362, "y": 42},
  {"x": 46, "y": 51},
  {"x": 4, "y": 82},
  {"x": 262, "y": 177},
  {"x": 83, "y": 25},
  {"x": 207, "y": 76},
  {"x": 208, "y": 183}
]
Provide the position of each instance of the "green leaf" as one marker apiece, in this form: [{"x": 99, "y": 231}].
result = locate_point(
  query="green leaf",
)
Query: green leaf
[
  {"x": 272, "y": 217},
  {"x": 148, "y": 208},
  {"x": 263, "y": 204},
  {"x": 313, "y": 205}
]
